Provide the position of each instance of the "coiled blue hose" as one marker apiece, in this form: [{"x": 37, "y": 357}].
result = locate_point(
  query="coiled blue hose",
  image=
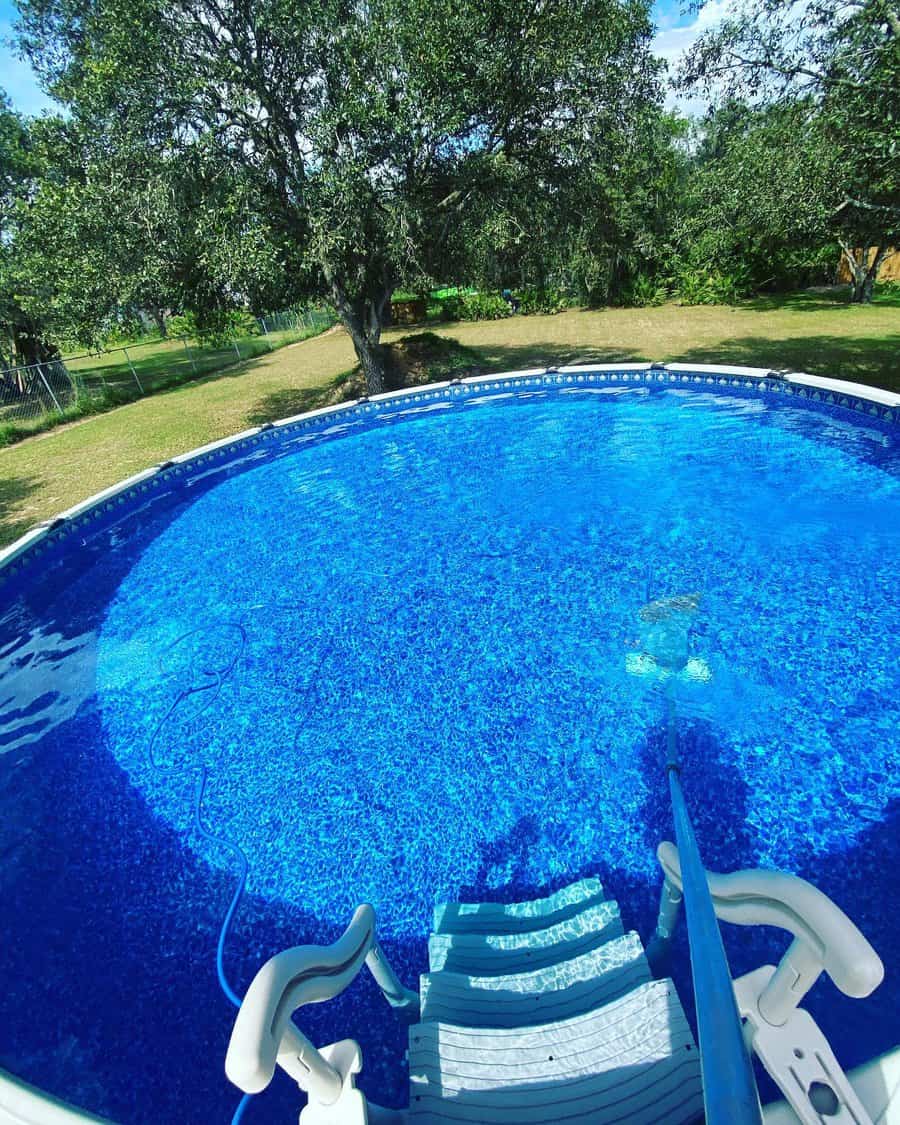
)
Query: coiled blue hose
[
  {"x": 214, "y": 678},
  {"x": 235, "y": 850}
]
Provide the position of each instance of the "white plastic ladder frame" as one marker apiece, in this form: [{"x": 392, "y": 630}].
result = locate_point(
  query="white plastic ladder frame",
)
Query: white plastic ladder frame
[
  {"x": 264, "y": 1035},
  {"x": 786, "y": 1038}
]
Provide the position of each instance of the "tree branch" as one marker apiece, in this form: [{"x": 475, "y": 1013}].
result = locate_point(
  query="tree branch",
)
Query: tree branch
[{"x": 882, "y": 208}]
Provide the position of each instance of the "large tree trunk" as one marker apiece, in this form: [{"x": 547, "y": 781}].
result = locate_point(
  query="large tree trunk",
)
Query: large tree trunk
[
  {"x": 370, "y": 353},
  {"x": 862, "y": 272},
  {"x": 363, "y": 317},
  {"x": 29, "y": 346},
  {"x": 160, "y": 319},
  {"x": 868, "y": 285}
]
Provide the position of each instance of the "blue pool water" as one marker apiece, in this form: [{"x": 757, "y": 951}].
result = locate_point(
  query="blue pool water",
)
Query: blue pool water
[{"x": 407, "y": 657}]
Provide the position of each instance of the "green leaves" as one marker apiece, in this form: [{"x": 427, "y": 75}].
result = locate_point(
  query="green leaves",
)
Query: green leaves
[
  {"x": 838, "y": 66},
  {"x": 366, "y": 136}
]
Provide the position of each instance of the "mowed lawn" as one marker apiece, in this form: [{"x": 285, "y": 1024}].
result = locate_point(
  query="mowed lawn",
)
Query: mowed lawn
[{"x": 43, "y": 475}]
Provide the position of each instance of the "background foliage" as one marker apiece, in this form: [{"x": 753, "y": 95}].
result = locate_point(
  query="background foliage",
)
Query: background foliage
[{"x": 217, "y": 157}]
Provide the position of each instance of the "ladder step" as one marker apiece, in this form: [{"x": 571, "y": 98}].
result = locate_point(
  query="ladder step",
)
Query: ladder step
[
  {"x": 495, "y": 954},
  {"x": 571, "y": 988},
  {"x": 516, "y": 917},
  {"x": 632, "y": 1061}
]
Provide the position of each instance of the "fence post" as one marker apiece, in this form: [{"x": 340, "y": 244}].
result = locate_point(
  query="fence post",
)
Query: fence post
[
  {"x": 47, "y": 385},
  {"x": 133, "y": 372},
  {"x": 188, "y": 350}
]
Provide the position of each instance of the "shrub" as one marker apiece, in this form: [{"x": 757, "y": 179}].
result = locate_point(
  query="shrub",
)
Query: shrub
[
  {"x": 183, "y": 324},
  {"x": 541, "y": 301},
  {"x": 887, "y": 292},
  {"x": 643, "y": 291},
  {"x": 214, "y": 329},
  {"x": 491, "y": 306},
  {"x": 127, "y": 330},
  {"x": 475, "y": 306},
  {"x": 700, "y": 286}
]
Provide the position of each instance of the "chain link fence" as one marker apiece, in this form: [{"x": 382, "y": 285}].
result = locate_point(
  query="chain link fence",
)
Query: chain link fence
[
  {"x": 37, "y": 396},
  {"x": 310, "y": 321},
  {"x": 28, "y": 394}
]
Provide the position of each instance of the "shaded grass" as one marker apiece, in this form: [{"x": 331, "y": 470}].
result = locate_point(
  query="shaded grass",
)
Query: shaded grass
[
  {"x": 61, "y": 467},
  {"x": 854, "y": 358},
  {"x": 289, "y": 401},
  {"x": 160, "y": 364},
  {"x": 887, "y": 295},
  {"x": 852, "y": 342},
  {"x": 15, "y": 493},
  {"x": 112, "y": 379},
  {"x": 412, "y": 361}
]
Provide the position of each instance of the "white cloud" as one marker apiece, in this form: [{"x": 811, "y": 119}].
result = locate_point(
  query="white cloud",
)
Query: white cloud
[{"x": 670, "y": 43}]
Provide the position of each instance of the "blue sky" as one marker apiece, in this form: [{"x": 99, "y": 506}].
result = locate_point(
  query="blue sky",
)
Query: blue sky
[
  {"x": 16, "y": 76},
  {"x": 672, "y": 13},
  {"x": 677, "y": 28}
]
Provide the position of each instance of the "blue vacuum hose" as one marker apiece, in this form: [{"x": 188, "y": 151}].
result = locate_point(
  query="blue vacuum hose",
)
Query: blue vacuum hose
[{"x": 211, "y": 684}]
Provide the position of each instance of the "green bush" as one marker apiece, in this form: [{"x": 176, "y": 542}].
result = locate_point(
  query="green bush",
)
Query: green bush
[
  {"x": 541, "y": 301},
  {"x": 701, "y": 286},
  {"x": 450, "y": 291},
  {"x": 643, "y": 291},
  {"x": 182, "y": 324},
  {"x": 475, "y": 306},
  {"x": 127, "y": 330},
  {"x": 215, "y": 329},
  {"x": 791, "y": 268},
  {"x": 887, "y": 293},
  {"x": 491, "y": 306}
]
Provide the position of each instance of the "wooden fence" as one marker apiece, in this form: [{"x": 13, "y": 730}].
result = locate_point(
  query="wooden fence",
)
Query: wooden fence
[{"x": 889, "y": 270}]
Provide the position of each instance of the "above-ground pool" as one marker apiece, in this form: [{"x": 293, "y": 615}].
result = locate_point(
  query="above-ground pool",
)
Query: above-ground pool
[{"x": 395, "y": 653}]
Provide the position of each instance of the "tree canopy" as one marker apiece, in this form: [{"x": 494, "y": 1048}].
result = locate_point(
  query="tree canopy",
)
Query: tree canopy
[
  {"x": 21, "y": 165},
  {"x": 224, "y": 154},
  {"x": 110, "y": 234},
  {"x": 369, "y": 131},
  {"x": 836, "y": 63}
]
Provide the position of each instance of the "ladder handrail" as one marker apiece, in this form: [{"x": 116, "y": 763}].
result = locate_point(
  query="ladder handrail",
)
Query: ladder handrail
[
  {"x": 264, "y": 1034},
  {"x": 775, "y": 898},
  {"x": 730, "y": 1095}
]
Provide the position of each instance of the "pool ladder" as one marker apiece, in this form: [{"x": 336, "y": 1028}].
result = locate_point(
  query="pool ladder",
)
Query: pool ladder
[{"x": 539, "y": 1009}]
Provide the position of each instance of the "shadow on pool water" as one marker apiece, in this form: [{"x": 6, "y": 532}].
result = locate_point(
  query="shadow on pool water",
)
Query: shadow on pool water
[
  {"x": 863, "y": 880},
  {"x": 109, "y": 923},
  {"x": 108, "y": 934}
]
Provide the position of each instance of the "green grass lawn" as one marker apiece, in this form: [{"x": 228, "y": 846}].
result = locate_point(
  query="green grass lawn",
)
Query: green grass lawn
[
  {"x": 811, "y": 332},
  {"x": 112, "y": 378},
  {"x": 162, "y": 363}
]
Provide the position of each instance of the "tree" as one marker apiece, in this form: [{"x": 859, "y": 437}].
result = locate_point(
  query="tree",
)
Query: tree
[
  {"x": 840, "y": 60},
  {"x": 26, "y": 340},
  {"x": 369, "y": 129},
  {"x": 111, "y": 233},
  {"x": 757, "y": 205}
]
